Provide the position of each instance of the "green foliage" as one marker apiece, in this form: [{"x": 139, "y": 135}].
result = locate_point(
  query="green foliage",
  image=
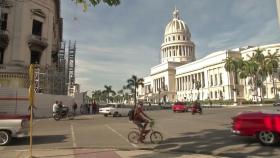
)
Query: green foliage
[
  {"x": 87, "y": 3},
  {"x": 133, "y": 83}
]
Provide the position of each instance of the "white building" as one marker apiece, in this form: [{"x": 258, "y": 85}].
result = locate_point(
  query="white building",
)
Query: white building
[{"x": 175, "y": 77}]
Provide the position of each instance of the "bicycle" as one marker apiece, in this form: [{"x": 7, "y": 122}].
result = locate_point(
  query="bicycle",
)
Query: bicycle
[{"x": 155, "y": 136}]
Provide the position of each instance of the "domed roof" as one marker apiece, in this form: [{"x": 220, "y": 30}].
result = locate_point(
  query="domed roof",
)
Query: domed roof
[{"x": 176, "y": 25}]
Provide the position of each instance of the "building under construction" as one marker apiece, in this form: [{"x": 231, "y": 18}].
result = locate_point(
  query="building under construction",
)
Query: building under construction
[{"x": 35, "y": 39}]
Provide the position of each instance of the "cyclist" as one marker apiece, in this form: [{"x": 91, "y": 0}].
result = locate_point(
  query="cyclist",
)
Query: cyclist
[{"x": 141, "y": 120}]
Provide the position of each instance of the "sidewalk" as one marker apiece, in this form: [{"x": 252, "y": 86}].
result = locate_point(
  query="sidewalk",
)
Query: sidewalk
[{"x": 98, "y": 153}]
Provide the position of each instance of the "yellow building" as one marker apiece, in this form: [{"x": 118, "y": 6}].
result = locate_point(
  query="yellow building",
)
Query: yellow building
[{"x": 31, "y": 32}]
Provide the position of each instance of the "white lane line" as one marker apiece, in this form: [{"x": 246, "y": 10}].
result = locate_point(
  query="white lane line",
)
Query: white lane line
[
  {"x": 134, "y": 145},
  {"x": 73, "y": 136}
]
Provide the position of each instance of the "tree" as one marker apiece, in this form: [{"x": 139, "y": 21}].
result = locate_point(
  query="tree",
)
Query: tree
[
  {"x": 231, "y": 66},
  {"x": 108, "y": 90},
  {"x": 87, "y": 3},
  {"x": 255, "y": 70},
  {"x": 272, "y": 64},
  {"x": 121, "y": 94},
  {"x": 133, "y": 83},
  {"x": 96, "y": 95},
  {"x": 260, "y": 72}
]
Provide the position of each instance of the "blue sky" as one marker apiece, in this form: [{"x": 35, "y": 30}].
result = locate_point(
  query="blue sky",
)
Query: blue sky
[{"x": 113, "y": 43}]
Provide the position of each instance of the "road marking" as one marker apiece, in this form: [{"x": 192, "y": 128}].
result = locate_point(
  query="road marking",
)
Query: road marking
[
  {"x": 134, "y": 145},
  {"x": 73, "y": 136}
]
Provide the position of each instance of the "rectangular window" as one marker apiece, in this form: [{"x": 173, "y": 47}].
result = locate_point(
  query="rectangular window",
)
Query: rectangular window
[
  {"x": 221, "y": 78},
  {"x": 37, "y": 28},
  {"x": 1, "y": 56},
  {"x": 211, "y": 95},
  {"x": 211, "y": 77},
  {"x": 35, "y": 57},
  {"x": 4, "y": 21}
]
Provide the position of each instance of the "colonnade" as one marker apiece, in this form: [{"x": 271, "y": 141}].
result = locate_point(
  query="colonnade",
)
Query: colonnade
[
  {"x": 158, "y": 84},
  {"x": 188, "y": 82}
]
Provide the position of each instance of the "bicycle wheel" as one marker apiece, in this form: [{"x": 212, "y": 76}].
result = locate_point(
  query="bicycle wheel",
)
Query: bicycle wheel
[
  {"x": 156, "y": 137},
  {"x": 133, "y": 137}
]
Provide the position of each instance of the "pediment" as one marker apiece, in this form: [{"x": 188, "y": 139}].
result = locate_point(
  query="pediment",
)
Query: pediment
[{"x": 38, "y": 12}]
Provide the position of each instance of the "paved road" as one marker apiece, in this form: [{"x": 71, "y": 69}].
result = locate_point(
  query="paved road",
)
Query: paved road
[{"x": 207, "y": 134}]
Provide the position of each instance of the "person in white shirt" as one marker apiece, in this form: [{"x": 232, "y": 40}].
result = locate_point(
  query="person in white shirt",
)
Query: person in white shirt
[{"x": 55, "y": 107}]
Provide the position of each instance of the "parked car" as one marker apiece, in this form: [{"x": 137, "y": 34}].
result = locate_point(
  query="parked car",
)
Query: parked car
[
  {"x": 276, "y": 103},
  {"x": 114, "y": 110},
  {"x": 265, "y": 125},
  {"x": 166, "y": 106},
  {"x": 13, "y": 126},
  {"x": 179, "y": 107}
]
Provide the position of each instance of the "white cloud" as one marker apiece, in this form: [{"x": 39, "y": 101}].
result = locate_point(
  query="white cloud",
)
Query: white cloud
[{"x": 114, "y": 43}]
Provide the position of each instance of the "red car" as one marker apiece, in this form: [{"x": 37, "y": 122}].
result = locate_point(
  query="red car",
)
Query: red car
[
  {"x": 265, "y": 125},
  {"x": 179, "y": 107}
]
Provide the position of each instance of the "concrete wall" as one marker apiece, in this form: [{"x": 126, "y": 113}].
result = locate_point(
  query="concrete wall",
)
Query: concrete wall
[{"x": 15, "y": 101}]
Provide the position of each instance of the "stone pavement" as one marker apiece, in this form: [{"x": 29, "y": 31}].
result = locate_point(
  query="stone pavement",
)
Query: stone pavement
[{"x": 97, "y": 153}]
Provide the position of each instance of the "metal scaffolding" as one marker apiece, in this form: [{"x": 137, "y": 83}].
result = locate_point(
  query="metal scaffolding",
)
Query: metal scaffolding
[{"x": 71, "y": 67}]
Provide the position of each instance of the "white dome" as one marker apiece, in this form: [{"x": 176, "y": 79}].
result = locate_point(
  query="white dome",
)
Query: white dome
[
  {"x": 177, "y": 45},
  {"x": 176, "y": 25}
]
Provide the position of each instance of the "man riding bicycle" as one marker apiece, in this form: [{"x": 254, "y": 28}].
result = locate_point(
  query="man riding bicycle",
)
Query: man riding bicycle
[{"x": 141, "y": 120}]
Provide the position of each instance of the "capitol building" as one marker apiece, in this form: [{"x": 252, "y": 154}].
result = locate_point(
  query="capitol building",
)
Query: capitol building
[{"x": 175, "y": 77}]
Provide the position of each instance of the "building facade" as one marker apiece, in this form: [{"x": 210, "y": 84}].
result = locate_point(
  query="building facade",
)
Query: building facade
[
  {"x": 180, "y": 77},
  {"x": 31, "y": 33}
]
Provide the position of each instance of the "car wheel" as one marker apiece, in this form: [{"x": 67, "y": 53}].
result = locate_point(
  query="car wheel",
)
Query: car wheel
[
  {"x": 268, "y": 137},
  {"x": 115, "y": 114},
  {"x": 105, "y": 115},
  {"x": 5, "y": 138}
]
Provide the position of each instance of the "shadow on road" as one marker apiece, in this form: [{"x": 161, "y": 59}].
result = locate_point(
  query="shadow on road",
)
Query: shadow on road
[
  {"x": 43, "y": 139},
  {"x": 216, "y": 142}
]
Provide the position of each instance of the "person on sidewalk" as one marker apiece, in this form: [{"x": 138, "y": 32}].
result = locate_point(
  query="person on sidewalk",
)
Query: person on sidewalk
[
  {"x": 74, "y": 107},
  {"x": 93, "y": 107}
]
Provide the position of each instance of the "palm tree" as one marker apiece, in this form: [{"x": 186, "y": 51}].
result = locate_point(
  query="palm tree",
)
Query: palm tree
[
  {"x": 231, "y": 66},
  {"x": 121, "y": 94},
  {"x": 256, "y": 71},
  {"x": 272, "y": 63},
  {"x": 108, "y": 90},
  {"x": 97, "y": 95},
  {"x": 133, "y": 83}
]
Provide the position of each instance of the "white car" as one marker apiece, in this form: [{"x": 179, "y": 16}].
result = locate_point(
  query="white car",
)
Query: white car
[
  {"x": 13, "y": 126},
  {"x": 115, "y": 110}
]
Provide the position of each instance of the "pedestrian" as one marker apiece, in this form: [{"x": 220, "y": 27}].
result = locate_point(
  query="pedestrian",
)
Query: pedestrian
[
  {"x": 74, "y": 107},
  {"x": 88, "y": 108},
  {"x": 93, "y": 107}
]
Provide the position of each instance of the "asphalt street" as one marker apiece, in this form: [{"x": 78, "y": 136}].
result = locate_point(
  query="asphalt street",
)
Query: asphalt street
[{"x": 208, "y": 133}]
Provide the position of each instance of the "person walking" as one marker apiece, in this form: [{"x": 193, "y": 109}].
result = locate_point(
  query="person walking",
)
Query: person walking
[
  {"x": 93, "y": 107},
  {"x": 74, "y": 107}
]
